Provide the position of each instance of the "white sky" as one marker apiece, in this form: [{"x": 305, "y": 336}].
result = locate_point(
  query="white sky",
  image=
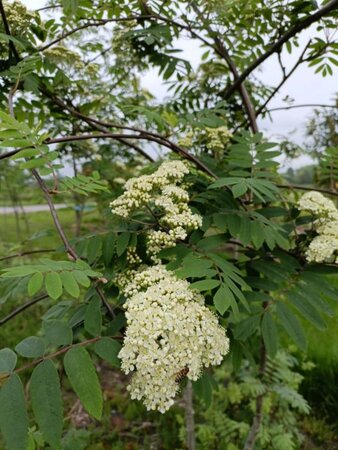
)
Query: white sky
[{"x": 304, "y": 87}]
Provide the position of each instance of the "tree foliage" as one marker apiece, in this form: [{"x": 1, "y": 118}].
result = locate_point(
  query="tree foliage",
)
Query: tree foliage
[{"x": 72, "y": 96}]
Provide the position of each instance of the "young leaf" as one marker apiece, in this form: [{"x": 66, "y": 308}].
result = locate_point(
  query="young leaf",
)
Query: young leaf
[
  {"x": 70, "y": 284},
  {"x": 291, "y": 325},
  {"x": 31, "y": 347},
  {"x": 7, "y": 360},
  {"x": 58, "y": 333},
  {"x": 81, "y": 278},
  {"x": 13, "y": 414},
  {"x": 46, "y": 400},
  {"x": 205, "y": 285},
  {"x": 82, "y": 376},
  {"x": 122, "y": 243},
  {"x": 222, "y": 299},
  {"x": 108, "y": 349},
  {"x": 93, "y": 317},
  {"x": 53, "y": 285},
  {"x": 35, "y": 283}
]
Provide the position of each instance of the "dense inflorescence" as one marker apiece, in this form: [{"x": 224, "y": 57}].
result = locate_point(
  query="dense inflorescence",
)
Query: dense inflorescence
[
  {"x": 323, "y": 246},
  {"x": 160, "y": 191},
  {"x": 169, "y": 329}
]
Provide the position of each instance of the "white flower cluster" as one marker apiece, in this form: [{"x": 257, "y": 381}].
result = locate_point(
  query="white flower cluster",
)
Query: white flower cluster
[
  {"x": 214, "y": 138},
  {"x": 325, "y": 244},
  {"x": 160, "y": 190},
  {"x": 170, "y": 332},
  {"x": 218, "y": 137}
]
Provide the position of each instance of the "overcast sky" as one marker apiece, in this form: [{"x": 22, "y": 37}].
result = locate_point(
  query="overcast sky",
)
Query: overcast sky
[{"x": 304, "y": 87}]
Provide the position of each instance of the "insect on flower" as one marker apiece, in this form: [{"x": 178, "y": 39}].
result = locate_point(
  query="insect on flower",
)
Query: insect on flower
[{"x": 181, "y": 374}]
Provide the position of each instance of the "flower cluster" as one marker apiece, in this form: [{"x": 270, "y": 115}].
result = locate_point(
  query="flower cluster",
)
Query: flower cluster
[
  {"x": 160, "y": 190},
  {"x": 325, "y": 244},
  {"x": 19, "y": 19},
  {"x": 170, "y": 333},
  {"x": 218, "y": 137},
  {"x": 214, "y": 139}
]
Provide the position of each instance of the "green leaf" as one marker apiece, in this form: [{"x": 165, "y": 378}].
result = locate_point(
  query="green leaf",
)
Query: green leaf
[
  {"x": 246, "y": 328},
  {"x": 94, "y": 248},
  {"x": 45, "y": 394},
  {"x": 222, "y": 299},
  {"x": 108, "y": 349},
  {"x": 239, "y": 189},
  {"x": 13, "y": 414},
  {"x": 53, "y": 285},
  {"x": 291, "y": 325},
  {"x": 269, "y": 334},
  {"x": 93, "y": 317},
  {"x": 35, "y": 283},
  {"x": 122, "y": 243},
  {"x": 82, "y": 376},
  {"x": 205, "y": 285},
  {"x": 307, "y": 310},
  {"x": 31, "y": 347},
  {"x": 108, "y": 248},
  {"x": 58, "y": 333},
  {"x": 203, "y": 389},
  {"x": 81, "y": 278},
  {"x": 8, "y": 360},
  {"x": 70, "y": 284}
]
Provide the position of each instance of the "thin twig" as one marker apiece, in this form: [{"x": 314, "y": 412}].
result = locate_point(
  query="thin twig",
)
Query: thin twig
[
  {"x": 21, "y": 308},
  {"x": 308, "y": 105},
  {"x": 69, "y": 249},
  {"x": 307, "y": 188},
  {"x": 293, "y": 31},
  {"x": 223, "y": 52},
  {"x": 31, "y": 252},
  {"x": 189, "y": 417}
]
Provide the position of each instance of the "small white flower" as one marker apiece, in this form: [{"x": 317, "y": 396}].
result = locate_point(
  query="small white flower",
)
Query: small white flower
[
  {"x": 169, "y": 329},
  {"x": 325, "y": 244}
]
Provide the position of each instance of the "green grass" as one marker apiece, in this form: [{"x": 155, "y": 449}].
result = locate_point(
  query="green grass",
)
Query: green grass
[{"x": 32, "y": 223}]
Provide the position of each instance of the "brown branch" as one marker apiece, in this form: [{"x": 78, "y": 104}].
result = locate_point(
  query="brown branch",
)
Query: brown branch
[
  {"x": 8, "y": 31},
  {"x": 97, "y": 23},
  {"x": 32, "y": 252},
  {"x": 307, "y": 188},
  {"x": 147, "y": 135},
  {"x": 21, "y": 308},
  {"x": 286, "y": 76},
  {"x": 136, "y": 148},
  {"x": 58, "y": 353},
  {"x": 223, "y": 52},
  {"x": 293, "y": 31},
  {"x": 44, "y": 8},
  {"x": 189, "y": 417}
]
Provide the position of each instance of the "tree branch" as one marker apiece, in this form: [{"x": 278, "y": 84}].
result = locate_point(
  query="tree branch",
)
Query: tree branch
[
  {"x": 293, "y": 31},
  {"x": 8, "y": 31},
  {"x": 32, "y": 252},
  {"x": 21, "y": 308},
  {"x": 69, "y": 249},
  {"x": 223, "y": 52},
  {"x": 307, "y": 188},
  {"x": 308, "y": 105},
  {"x": 147, "y": 135}
]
